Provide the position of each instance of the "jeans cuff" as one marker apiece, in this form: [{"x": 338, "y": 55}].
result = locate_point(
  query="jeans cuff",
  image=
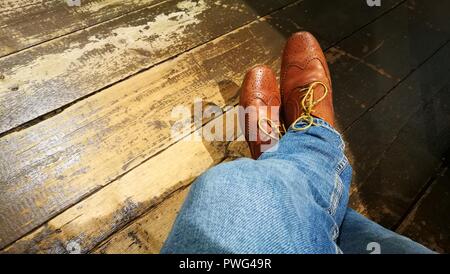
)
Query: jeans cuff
[{"x": 322, "y": 123}]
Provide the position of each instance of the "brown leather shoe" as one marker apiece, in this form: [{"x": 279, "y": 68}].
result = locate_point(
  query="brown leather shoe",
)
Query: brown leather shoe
[
  {"x": 305, "y": 81},
  {"x": 259, "y": 109}
]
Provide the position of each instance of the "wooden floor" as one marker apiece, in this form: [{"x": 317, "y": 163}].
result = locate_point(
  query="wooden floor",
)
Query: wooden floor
[{"x": 87, "y": 162}]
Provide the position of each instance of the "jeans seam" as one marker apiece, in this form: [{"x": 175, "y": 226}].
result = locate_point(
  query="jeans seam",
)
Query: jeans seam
[
  {"x": 334, "y": 237},
  {"x": 338, "y": 250},
  {"x": 342, "y": 164},
  {"x": 336, "y": 195}
]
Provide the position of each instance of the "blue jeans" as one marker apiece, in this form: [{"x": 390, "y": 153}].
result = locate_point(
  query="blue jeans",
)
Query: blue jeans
[{"x": 291, "y": 200}]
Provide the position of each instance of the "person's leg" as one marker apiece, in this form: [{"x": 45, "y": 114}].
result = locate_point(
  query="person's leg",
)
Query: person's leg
[
  {"x": 360, "y": 235},
  {"x": 291, "y": 200}
]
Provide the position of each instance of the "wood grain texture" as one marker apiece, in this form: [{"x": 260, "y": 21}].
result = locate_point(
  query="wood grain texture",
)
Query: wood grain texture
[
  {"x": 11, "y": 5},
  {"x": 397, "y": 146},
  {"x": 62, "y": 159},
  {"x": 428, "y": 221},
  {"x": 53, "y": 164},
  {"x": 147, "y": 234},
  {"x": 396, "y": 45},
  {"x": 51, "y": 75},
  {"x": 92, "y": 220},
  {"x": 28, "y": 25},
  {"x": 373, "y": 127}
]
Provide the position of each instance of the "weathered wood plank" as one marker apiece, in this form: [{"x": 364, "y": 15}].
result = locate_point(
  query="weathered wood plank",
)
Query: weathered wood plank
[
  {"x": 23, "y": 26},
  {"x": 147, "y": 234},
  {"x": 428, "y": 222},
  {"x": 394, "y": 46},
  {"x": 90, "y": 221},
  {"x": 92, "y": 143},
  {"x": 58, "y": 161},
  {"x": 398, "y": 144},
  {"x": 46, "y": 77},
  {"x": 395, "y": 54},
  {"x": 400, "y": 41},
  {"x": 8, "y": 5}
]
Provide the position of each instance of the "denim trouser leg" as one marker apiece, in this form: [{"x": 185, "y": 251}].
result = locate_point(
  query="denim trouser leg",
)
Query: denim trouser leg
[
  {"x": 291, "y": 200},
  {"x": 360, "y": 235}
]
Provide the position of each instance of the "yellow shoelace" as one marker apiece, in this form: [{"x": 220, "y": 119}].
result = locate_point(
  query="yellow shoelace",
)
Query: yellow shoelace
[
  {"x": 278, "y": 129},
  {"x": 308, "y": 104}
]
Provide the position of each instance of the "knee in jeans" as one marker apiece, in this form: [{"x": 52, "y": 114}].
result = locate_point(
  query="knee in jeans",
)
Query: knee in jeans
[{"x": 225, "y": 175}]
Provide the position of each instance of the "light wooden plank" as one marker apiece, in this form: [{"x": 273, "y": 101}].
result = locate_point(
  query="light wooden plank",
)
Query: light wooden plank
[
  {"x": 8, "y": 5},
  {"x": 147, "y": 234},
  {"x": 89, "y": 222},
  {"x": 56, "y": 162},
  {"x": 46, "y": 77},
  {"x": 64, "y": 158},
  {"x": 23, "y": 26}
]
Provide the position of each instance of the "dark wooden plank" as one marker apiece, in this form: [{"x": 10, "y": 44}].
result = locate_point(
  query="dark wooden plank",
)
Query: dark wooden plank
[
  {"x": 400, "y": 42},
  {"x": 56, "y": 164},
  {"x": 396, "y": 146},
  {"x": 428, "y": 222},
  {"x": 408, "y": 163},
  {"x": 23, "y": 26},
  {"x": 329, "y": 20},
  {"x": 46, "y": 77},
  {"x": 334, "y": 20},
  {"x": 357, "y": 85},
  {"x": 395, "y": 46}
]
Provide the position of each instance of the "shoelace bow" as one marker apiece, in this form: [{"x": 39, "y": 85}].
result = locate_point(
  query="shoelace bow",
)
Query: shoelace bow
[
  {"x": 278, "y": 129},
  {"x": 307, "y": 105}
]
